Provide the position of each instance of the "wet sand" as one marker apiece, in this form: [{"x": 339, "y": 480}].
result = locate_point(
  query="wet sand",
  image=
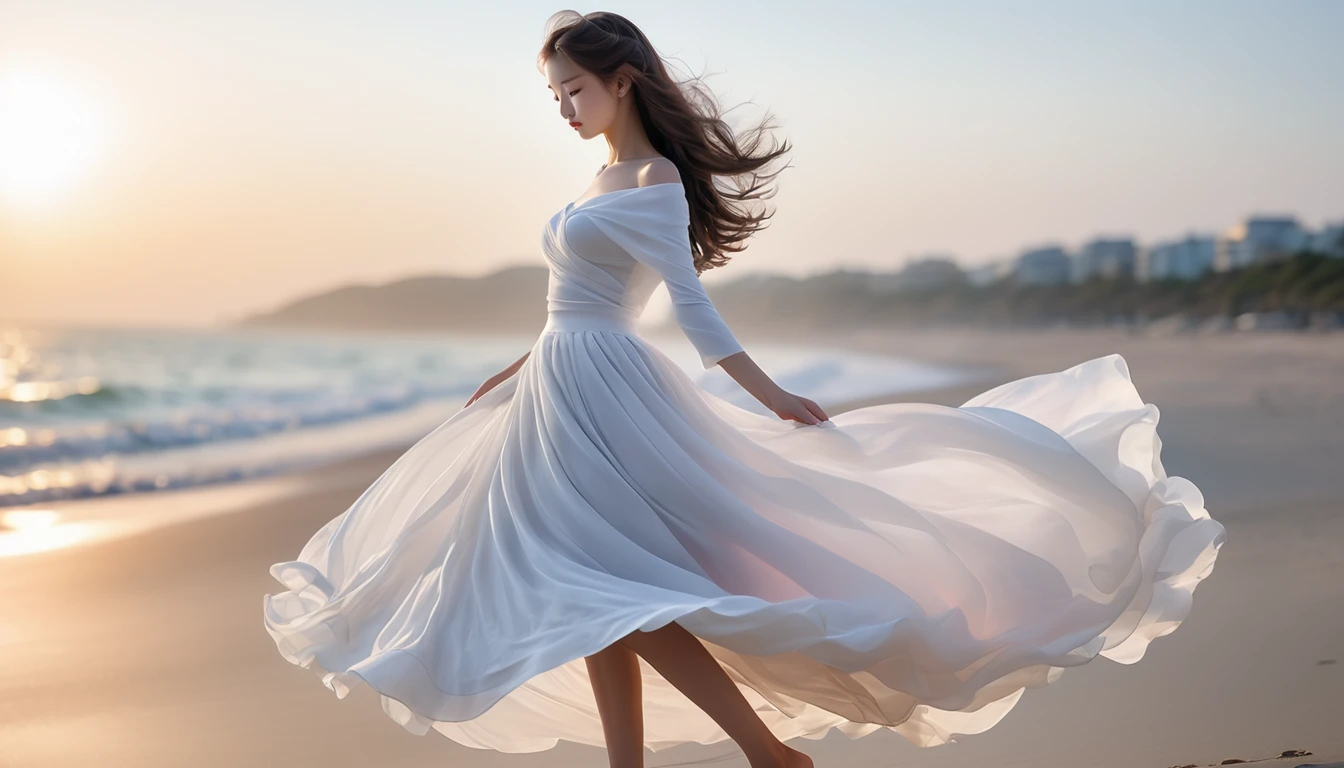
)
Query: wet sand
[{"x": 148, "y": 650}]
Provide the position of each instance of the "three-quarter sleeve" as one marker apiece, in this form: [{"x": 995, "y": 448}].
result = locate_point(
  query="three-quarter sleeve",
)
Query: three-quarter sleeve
[{"x": 655, "y": 231}]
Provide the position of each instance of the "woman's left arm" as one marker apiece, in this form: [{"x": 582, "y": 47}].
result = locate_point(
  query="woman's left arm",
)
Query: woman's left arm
[
  {"x": 655, "y": 233},
  {"x": 783, "y": 403}
]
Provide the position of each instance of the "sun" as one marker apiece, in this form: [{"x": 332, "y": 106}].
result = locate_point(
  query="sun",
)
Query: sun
[{"x": 50, "y": 135}]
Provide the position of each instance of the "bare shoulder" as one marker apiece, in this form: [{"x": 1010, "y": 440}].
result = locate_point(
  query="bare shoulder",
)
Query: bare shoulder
[{"x": 659, "y": 171}]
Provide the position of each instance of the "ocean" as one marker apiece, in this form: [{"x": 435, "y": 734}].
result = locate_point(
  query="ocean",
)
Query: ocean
[{"x": 89, "y": 412}]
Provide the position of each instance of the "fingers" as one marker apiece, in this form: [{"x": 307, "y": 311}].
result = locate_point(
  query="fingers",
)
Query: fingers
[
  {"x": 804, "y": 411},
  {"x": 816, "y": 410},
  {"x": 800, "y": 415}
]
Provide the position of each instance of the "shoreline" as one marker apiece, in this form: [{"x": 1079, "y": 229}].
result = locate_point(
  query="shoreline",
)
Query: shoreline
[
  {"x": 151, "y": 646},
  {"x": 986, "y": 358},
  {"x": 96, "y": 519}
]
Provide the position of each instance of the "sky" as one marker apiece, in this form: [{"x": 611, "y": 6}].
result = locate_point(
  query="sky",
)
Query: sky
[{"x": 208, "y": 160}]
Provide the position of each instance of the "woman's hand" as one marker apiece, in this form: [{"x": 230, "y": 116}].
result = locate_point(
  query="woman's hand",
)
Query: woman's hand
[
  {"x": 791, "y": 407},
  {"x": 489, "y": 384},
  {"x": 786, "y": 405},
  {"x": 494, "y": 381}
]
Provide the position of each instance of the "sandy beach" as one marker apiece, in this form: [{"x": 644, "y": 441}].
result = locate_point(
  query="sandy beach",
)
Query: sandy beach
[{"x": 148, "y": 650}]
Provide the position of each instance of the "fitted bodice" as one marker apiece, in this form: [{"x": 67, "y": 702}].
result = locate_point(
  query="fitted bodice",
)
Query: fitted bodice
[{"x": 607, "y": 255}]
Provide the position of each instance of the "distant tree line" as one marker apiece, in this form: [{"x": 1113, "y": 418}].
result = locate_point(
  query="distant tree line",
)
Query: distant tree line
[{"x": 1302, "y": 288}]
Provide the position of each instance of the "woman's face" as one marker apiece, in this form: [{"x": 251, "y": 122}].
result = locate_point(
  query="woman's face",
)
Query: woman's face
[{"x": 586, "y": 103}]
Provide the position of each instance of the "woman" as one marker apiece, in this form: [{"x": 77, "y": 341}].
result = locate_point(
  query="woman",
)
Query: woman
[{"x": 598, "y": 550}]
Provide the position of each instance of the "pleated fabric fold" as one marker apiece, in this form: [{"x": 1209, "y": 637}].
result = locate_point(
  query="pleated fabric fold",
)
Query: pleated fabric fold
[{"x": 906, "y": 566}]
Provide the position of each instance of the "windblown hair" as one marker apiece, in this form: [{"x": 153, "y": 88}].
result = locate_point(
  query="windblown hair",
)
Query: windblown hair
[{"x": 685, "y": 124}]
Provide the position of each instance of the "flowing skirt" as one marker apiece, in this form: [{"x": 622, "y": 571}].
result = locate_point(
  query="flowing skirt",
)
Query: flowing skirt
[{"x": 908, "y": 566}]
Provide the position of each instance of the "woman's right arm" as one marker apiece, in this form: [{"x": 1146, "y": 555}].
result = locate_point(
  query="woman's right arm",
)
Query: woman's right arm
[{"x": 494, "y": 381}]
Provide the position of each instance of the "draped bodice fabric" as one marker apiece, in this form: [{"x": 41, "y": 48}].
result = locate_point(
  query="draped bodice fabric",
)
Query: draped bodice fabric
[{"x": 607, "y": 255}]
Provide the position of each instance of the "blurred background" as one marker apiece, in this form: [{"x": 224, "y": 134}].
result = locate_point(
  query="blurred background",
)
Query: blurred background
[{"x": 250, "y": 252}]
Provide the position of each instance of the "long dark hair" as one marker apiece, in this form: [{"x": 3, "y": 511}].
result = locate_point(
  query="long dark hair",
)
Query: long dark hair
[{"x": 685, "y": 124}]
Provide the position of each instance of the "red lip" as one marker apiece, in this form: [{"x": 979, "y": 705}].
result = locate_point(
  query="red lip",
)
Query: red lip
[{"x": 575, "y": 125}]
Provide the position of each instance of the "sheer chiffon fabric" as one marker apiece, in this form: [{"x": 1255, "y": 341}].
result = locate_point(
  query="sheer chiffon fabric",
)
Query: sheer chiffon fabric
[{"x": 905, "y": 566}]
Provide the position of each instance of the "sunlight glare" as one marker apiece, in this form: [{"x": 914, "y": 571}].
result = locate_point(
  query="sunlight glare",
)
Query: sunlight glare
[
  {"x": 24, "y": 532},
  {"x": 49, "y": 137}
]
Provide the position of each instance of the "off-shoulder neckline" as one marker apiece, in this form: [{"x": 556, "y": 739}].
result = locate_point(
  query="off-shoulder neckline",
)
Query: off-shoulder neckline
[{"x": 575, "y": 205}]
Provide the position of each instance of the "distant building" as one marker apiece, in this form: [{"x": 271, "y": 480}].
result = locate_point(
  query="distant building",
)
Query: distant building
[
  {"x": 1185, "y": 259},
  {"x": 990, "y": 273},
  {"x": 1330, "y": 240},
  {"x": 1105, "y": 258},
  {"x": 1258, "y": 239},
  {"x": 1050, "y": 265}
]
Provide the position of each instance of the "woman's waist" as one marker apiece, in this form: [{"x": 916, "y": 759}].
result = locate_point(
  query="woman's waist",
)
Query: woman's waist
[{"x": 591, "y": 317}]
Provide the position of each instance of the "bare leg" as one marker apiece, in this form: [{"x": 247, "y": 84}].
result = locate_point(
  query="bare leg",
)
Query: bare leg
[
  {"x": 614, "y": 672},
  {"x": 684, "y": 661}
]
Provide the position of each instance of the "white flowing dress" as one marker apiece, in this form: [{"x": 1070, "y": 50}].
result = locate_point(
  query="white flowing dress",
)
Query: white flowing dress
[{"x": 905, "y": 566}]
